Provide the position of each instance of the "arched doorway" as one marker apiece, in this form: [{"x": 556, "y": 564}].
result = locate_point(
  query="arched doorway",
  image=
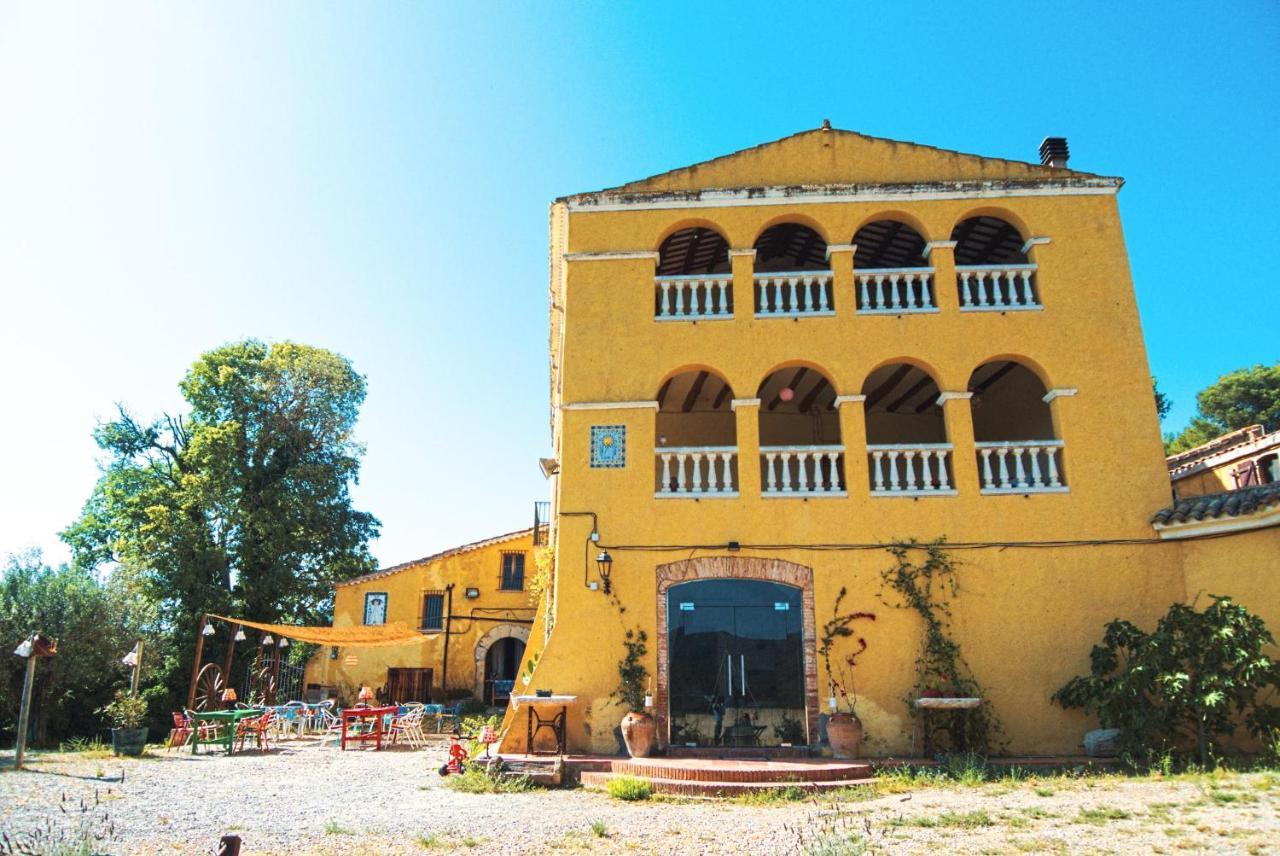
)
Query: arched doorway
[{"x": 498, "y": 656}]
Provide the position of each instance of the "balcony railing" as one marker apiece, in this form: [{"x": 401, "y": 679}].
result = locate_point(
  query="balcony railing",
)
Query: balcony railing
[
  {"x": 997, "y": 288},
  {"x": 541, "y": 523},
  {"x": 697, "y": 471},
  {"x": 793, "y": 295},
  {"x": 802, "y": 470},
  {"x": 694, "y": 298},
  {"x": 916, "y": 469},
  {"x": 1025, "y": 466},
  {"x": 894, "y": 291}
]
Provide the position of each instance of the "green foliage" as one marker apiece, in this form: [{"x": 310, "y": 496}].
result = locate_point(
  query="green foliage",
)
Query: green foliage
[
  {"x": 1188, "y": 683},
  {"x": 926, "y": 588},
  {"x": 1163, "y": 404},
  {"x": 789, "y": 730},
  {"x": 491, "y": 778},
  {"x": 95, "y": 623},
  {"x": 599, "y": 829},
  {"x": 240, "y": 506},
  {"x": 840, "y": 627},
  {"x": 633, "y": 676},
  {"x": 125, "y": 710},
  {"x": 1247, "y": 396},
  {"x": 629, "y": 788}
]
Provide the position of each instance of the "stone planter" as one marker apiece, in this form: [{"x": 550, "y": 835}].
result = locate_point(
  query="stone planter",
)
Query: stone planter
[
  {"x": 844, "y": 731},
  {"x": 639, "y": 732},
  {"x": 128, "y": 741}
]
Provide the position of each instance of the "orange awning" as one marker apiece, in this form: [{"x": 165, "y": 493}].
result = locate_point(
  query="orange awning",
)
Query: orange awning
[{"x": 359, "y": 636}]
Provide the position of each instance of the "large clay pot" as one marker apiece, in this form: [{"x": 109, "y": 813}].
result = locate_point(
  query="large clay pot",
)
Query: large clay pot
[
  {"x": 844, "y": 731},
  {"x": 128, "y": 741},
  {"x": 639, "y": 732}
]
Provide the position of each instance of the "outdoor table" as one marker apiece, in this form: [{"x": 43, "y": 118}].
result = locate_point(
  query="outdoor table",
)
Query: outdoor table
[
  {"x": 535, "y": 721},
  {"x": 227, "y": 719},
  {"x": 943, "y": 708},
  {"x": 377, "y": 714}
]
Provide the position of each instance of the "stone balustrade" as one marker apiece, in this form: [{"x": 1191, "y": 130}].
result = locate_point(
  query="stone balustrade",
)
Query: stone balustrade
[
  {"x": 793, "y": 295},
  {"x": 802, "y": 471},
  {"x": 1021, "y": 466},
  {"x": 910, "y": 469},
  {"x": 894, "y": 291},
  {"x": 697, "y": 471},
  {"x": 695, "y": 297},
  {"x": 997, "y": 288}
]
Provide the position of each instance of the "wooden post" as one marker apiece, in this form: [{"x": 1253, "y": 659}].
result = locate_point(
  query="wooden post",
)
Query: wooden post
[
  {"x": 195, "y": 662},
  {"x": 448, "y": 614},
  {"x": 273, "y": 684},
  {"x": 231, "y": 656},
  {"x": 24, "y": 711},
  {"x": 137, "y": 669}
]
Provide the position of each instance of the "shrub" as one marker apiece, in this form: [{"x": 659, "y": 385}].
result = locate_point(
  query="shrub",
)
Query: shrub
[
  {"x": 1188, "y": 683},
  {"x": 125, "y": 710},
  {"x": 630, "y": 788},
  {"x": 488, "y": 779}
]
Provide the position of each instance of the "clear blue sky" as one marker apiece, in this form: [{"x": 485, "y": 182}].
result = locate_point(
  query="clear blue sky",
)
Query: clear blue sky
[{"x": 374, "y": 178}]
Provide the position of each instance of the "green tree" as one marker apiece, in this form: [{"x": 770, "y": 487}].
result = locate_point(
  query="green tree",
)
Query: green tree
[
  {"x": 242, "y": 504},
  {"x": 95, "y": 624},
  {"x": 1248, "y": 396},
  {"x": 1186, "y": 684},
  {"x": 1163, "y": 404}
]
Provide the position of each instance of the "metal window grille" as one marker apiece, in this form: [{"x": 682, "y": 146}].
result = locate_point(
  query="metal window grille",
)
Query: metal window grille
[
  {"x": 512, "y": 572},
  {"x": 433, "y": 612}
]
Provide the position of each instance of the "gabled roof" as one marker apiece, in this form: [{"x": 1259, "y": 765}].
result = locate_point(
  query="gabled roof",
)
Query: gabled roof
[
  {"x": 1251, "y": 439},
  {"x": 1231, "y": 503},
  {"x": 829, "y": 156},
  {"x": 453, "y": 551}
]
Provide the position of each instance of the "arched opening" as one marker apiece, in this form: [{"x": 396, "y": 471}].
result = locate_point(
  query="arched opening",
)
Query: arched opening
[
  {"x": 1013, "y": 431},
  {"x": 792, "y": 276},
  {"x": 501, "y": 666},
  {"x": 800, "y": 447},
  {"x": 907, "y": 449},
  {"x": 696, "y": 431},
  {"x": 693, "y": 278},
  {"x": 992, "y": 271},
  {"x": 890, "y": 269}
]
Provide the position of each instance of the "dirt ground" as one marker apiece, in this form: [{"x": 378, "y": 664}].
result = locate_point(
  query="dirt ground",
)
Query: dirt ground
[{"x": 304, "y": 799}]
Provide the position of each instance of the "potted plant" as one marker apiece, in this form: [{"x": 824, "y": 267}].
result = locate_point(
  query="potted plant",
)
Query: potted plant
[
  {"x": 844, "y": 728},
  {"x": 639, "y": 732},
  {"x": 127, "y": 714}
]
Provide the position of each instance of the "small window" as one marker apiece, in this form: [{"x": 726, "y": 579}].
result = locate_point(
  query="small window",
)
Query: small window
[
  {"x": 433, "y": 612},
  {"x": 375, "y": 607},
  {"x": 512, "y": 572}
]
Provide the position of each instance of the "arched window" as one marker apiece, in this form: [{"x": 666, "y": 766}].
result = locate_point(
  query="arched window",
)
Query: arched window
[
  {"x": 693, "y": 279},
  {"x": 792, "y": 276},
  {"x": 800, "y": 451},
  {"x": 697, "y": 445},
  {"x": 992, "y": 271},
  {"x": 889, "y": 265},
  {"x": 907, "y": 449},
  {"x": 1013, "y": 431}
]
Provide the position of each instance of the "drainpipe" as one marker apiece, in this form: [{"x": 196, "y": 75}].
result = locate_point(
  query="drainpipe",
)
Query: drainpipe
[{"x": 448, "y": 619}]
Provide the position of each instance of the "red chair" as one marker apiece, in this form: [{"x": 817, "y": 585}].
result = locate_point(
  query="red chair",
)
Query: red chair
[
  {"x": 181, "y": 731},
  {"x": 258, "y": 727}
]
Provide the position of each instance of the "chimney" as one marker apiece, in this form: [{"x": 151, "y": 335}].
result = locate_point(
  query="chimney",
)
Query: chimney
[{"x": 1054, "y": 153}]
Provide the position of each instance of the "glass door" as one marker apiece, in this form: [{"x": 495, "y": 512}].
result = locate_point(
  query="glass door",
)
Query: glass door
[{"x": 736, "y": 674}]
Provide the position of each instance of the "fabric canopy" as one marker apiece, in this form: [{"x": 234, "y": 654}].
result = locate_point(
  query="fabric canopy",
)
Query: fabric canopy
[{"x": 359, "y": 636}]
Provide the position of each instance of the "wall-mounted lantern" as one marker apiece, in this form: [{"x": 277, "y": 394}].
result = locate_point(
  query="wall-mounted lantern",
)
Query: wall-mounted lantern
[{"x": 604, "y": 564}]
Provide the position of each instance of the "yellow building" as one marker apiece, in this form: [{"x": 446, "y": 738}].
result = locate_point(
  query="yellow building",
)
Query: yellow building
[
  {"x": 1243, "y": 458},
  {"x": 769, "y": 366},
  {"x": 473, "y": 608}
]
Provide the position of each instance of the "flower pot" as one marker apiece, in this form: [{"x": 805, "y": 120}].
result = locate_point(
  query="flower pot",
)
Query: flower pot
[
  {"x": 844, "y": 731},
  {"x": 639, "y": 732},
  {"x": 128, "y": 741}
]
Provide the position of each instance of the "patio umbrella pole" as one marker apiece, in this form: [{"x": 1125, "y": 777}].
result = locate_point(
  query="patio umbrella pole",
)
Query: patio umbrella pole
[{"x": 24, "y": 712}]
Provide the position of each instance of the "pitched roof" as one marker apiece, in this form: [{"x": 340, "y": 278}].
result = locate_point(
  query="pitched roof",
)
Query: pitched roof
[
  {"x": 1222, "y": 449},
  {"x": 453, "y": 551},
  {"x": 1231, "y": 503},
  {"x": 830, "y": 156}
]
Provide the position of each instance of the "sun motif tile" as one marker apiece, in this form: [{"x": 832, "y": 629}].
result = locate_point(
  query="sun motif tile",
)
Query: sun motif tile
[{"x": 608, "y": 446}]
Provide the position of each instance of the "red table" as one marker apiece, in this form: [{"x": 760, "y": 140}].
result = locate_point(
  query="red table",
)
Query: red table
[{"x": 377, "y": 714}]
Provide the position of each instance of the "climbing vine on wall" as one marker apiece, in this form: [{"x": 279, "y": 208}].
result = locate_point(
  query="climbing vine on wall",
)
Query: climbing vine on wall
[{"x": 923, "y": 578}]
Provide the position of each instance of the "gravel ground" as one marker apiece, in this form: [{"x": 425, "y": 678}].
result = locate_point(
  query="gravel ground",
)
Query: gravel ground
[{"x": 304, "y": 799}]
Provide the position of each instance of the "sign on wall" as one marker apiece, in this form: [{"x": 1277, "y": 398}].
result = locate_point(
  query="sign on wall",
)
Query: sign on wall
[{"x": 608, "y": 446}]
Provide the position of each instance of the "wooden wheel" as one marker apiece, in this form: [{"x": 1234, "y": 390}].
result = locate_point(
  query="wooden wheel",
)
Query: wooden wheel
[
  {"x": 209, "y": 687},
  {"x": 264, "y": 685}
]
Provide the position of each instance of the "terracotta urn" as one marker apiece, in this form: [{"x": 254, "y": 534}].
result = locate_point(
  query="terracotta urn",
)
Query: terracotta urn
[
  {"x": 639, "y": 732},
  {"x": 844, "y": 731}
]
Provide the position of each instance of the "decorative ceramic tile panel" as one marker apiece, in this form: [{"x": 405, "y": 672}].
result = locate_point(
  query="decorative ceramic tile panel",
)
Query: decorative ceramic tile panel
[{"x": 608, "y": 445}]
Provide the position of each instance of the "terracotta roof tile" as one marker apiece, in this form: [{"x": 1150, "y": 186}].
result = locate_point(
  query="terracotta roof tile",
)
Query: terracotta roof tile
[
  {"x": 453, "y": 551},
  {"x": 1231, "y": 503}
]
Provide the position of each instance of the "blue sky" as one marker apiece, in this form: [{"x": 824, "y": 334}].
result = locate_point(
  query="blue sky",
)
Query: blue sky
[{"x": 374, "y": 178}]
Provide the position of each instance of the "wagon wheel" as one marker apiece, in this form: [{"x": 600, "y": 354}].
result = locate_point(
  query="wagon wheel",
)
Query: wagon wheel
[
  {"x": 264, "y": 685},
  {"x": 209, "y": 687}
]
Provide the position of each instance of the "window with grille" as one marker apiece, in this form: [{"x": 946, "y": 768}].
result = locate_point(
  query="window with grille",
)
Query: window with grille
[
  {"x": 433, "y": 612},
  {"x": 512, "y": 572}
]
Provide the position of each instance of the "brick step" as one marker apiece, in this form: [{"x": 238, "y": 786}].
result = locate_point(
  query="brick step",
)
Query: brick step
[
  {"x": 776, "y": 772},
  {"x": 755, "y": 753},
  {"x": 690, "y": 788}
]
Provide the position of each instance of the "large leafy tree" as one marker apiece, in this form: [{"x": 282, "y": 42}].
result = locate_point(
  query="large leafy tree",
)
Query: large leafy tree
[
  {"x": 1247, "y": 396},
  {"x": 243, "y": 503}
]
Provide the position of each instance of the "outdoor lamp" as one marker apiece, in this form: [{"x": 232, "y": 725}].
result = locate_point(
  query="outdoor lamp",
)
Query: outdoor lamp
[
  {"x": 240, "y": 635},
  {"x": 604, "y": 563},
  {"x": 284, "y": 643},
  {"x": 365, "y": 694},
  {"x": 228, "y": 695},
  {"x": 268, "y": 639},
  {"x": 208, "y": 629}
]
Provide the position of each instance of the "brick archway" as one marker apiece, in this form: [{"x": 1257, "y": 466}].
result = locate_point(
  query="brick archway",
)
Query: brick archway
[
  {"x": 501, "y": 631},
  {"x": 738, "y": 568}
]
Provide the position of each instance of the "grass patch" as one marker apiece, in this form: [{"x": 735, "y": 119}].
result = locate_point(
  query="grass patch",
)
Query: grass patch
[
  {"x": 333, "y": 828},
  {"x": 1042, "y": 791},
  {"x": 1099, "y": 816},
  {"x": 599, "y": 829},
  {"x": 629, "y": 788},
  {"x": 773, "y": 796},
  {"x": 948, "y": 820},
  {"x": 429, "y": 842},
  {"x": 478, "y": 780}
]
